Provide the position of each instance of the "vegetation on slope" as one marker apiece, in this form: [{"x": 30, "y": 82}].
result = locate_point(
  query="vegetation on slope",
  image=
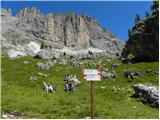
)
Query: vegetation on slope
[{"x": 27, "y": 96}]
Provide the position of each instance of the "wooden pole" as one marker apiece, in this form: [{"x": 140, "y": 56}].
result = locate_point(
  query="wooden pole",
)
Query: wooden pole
[{"x": 91, "y": 98}]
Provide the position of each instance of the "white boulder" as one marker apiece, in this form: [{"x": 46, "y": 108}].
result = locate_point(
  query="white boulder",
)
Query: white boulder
[
  {"x": 32, "y": 48},
  {"x": 14, "y": 54}
]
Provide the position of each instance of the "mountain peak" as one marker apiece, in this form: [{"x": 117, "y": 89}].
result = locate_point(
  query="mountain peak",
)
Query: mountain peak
[{"x": 27, "y": 11}]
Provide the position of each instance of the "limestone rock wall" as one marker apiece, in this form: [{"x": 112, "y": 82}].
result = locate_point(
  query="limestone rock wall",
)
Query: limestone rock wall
[{"x": 71, "y": 30}]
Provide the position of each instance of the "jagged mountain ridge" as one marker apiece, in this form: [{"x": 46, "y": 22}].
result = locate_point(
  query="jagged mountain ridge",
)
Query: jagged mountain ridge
[{"x": 70, "y": 30}]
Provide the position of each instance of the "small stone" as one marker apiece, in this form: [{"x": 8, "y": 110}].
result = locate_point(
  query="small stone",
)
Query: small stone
[
  {"x": 102, "y": 87},
  {"x": 75, "y": 63},
  {"x": 87, "y": 117},
  {"x": 55, "y": 61},
  {"x": 12, "y": 116},
  {"x": 45, "y": 75},
  {"x": 77, "y": 107},
  {"x": 148, "y": 71},
  {"x": 40, "y": 74},
  {"x": 115, "y": 66},
  {"x": 63, "y": 61},
  {"x": 33, "y": 78},
  {"x": 26, "y": 62},
  {"x": 134, "y": 107},
  {"x": 45, "y": 65},
  {"x": 128, "y": 99},
  {"x": 121, "y": 89},
  {"x": 156, "y": 72},
  {"x": 4, "y": 116}
]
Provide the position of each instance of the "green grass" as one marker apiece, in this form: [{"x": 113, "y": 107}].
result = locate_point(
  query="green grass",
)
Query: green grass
[{"x": 24, "y": 95}]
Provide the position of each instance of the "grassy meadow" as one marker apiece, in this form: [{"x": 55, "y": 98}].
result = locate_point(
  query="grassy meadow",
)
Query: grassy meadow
[{"x": 112, "y": 97}]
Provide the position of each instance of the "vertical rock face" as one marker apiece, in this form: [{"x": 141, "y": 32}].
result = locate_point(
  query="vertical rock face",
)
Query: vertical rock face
[
  {"x": 144, "y": 40},
  {"x": 76, "y": 32},
  {"x": 5, "y": 12},
  {"x": 27, "y": 11},
  {"x": 68, "y": 29}
]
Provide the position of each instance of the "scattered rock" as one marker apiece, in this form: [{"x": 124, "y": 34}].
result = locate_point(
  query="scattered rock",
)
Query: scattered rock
[
  {"x": 115, "y": 66},
  {"x": 134, "y": 107},
  {"x": 87, "y": 56},
  {"x": 13, "y": 115},
  {"x": 87, "y": 117},
  {"x": 77, "y": 107},
  {"x": 75, "y": 62},
  {"x": 45, "y": 75},
  {"x": 63, "y": 61},
  {"x": 149, "y": 93},
  {"x": 33, "y": 78},
  {"x": 55, "y": 61},
  {"x": 26, "y": 62},
  {"x": 4, "y": 116},
  {"x": 45, "y": 65},
  {"x": 149, "y": 71},
  {"x": 128, "y": 99},
  {"x": 156, "y": 72},
  {"x": 132, "y": 74},
  {"x": 103, "y": 87},
  {"x": 112, "y": 74},
  {"x": 40, "y": 74}
]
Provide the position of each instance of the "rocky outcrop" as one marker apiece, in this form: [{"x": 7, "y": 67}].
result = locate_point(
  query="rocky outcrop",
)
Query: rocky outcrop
[
  {"x": 57, "y": 31},
  {"x": 6, "y": 12},
  {"x": 48, "y": 54},
  {"x": 27, "y": 11},
  {"x": 23, "y": 50},
  {"x": 143, "y": 42},
  {"x": 149, "y": 93}
]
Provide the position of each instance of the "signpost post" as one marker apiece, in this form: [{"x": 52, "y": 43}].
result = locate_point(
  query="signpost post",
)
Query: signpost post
[
  {"x": 92, "y": 75},
  {"x": 91, "y": 93}
]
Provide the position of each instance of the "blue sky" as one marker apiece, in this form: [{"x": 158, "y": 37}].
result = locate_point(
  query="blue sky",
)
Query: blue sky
[{"x": 116, "y": 16}]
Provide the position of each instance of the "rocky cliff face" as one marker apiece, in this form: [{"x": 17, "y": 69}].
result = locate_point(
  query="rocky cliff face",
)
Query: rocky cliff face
[
  {"x": 144, "y": 40},
  {"x": 5, "y": 12},
  {"x": 76, "y": 32}
]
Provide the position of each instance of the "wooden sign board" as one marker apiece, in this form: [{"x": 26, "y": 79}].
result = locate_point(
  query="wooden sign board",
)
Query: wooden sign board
[
  {"x": 90, "y": 71},
  {"x": 93, "y": 77}
]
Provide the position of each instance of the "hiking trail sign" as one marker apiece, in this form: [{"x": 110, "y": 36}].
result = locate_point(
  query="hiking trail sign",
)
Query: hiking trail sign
[{"x": 92, "y": 75}]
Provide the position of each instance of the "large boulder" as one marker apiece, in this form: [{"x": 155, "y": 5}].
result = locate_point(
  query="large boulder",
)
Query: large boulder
[
  {"x": 15, "y": 54},
  {"x": 148, "y": 92},
  {"x": 48, "y": 54},
  {"x": 32, "y": 48}
]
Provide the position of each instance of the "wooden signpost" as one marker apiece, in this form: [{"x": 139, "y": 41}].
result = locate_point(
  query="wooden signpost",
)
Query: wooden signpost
[{"x": 92, "y": 75}]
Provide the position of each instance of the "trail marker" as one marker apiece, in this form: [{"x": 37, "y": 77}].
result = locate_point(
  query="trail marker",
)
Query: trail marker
[{"x": 92, "y": 75}]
